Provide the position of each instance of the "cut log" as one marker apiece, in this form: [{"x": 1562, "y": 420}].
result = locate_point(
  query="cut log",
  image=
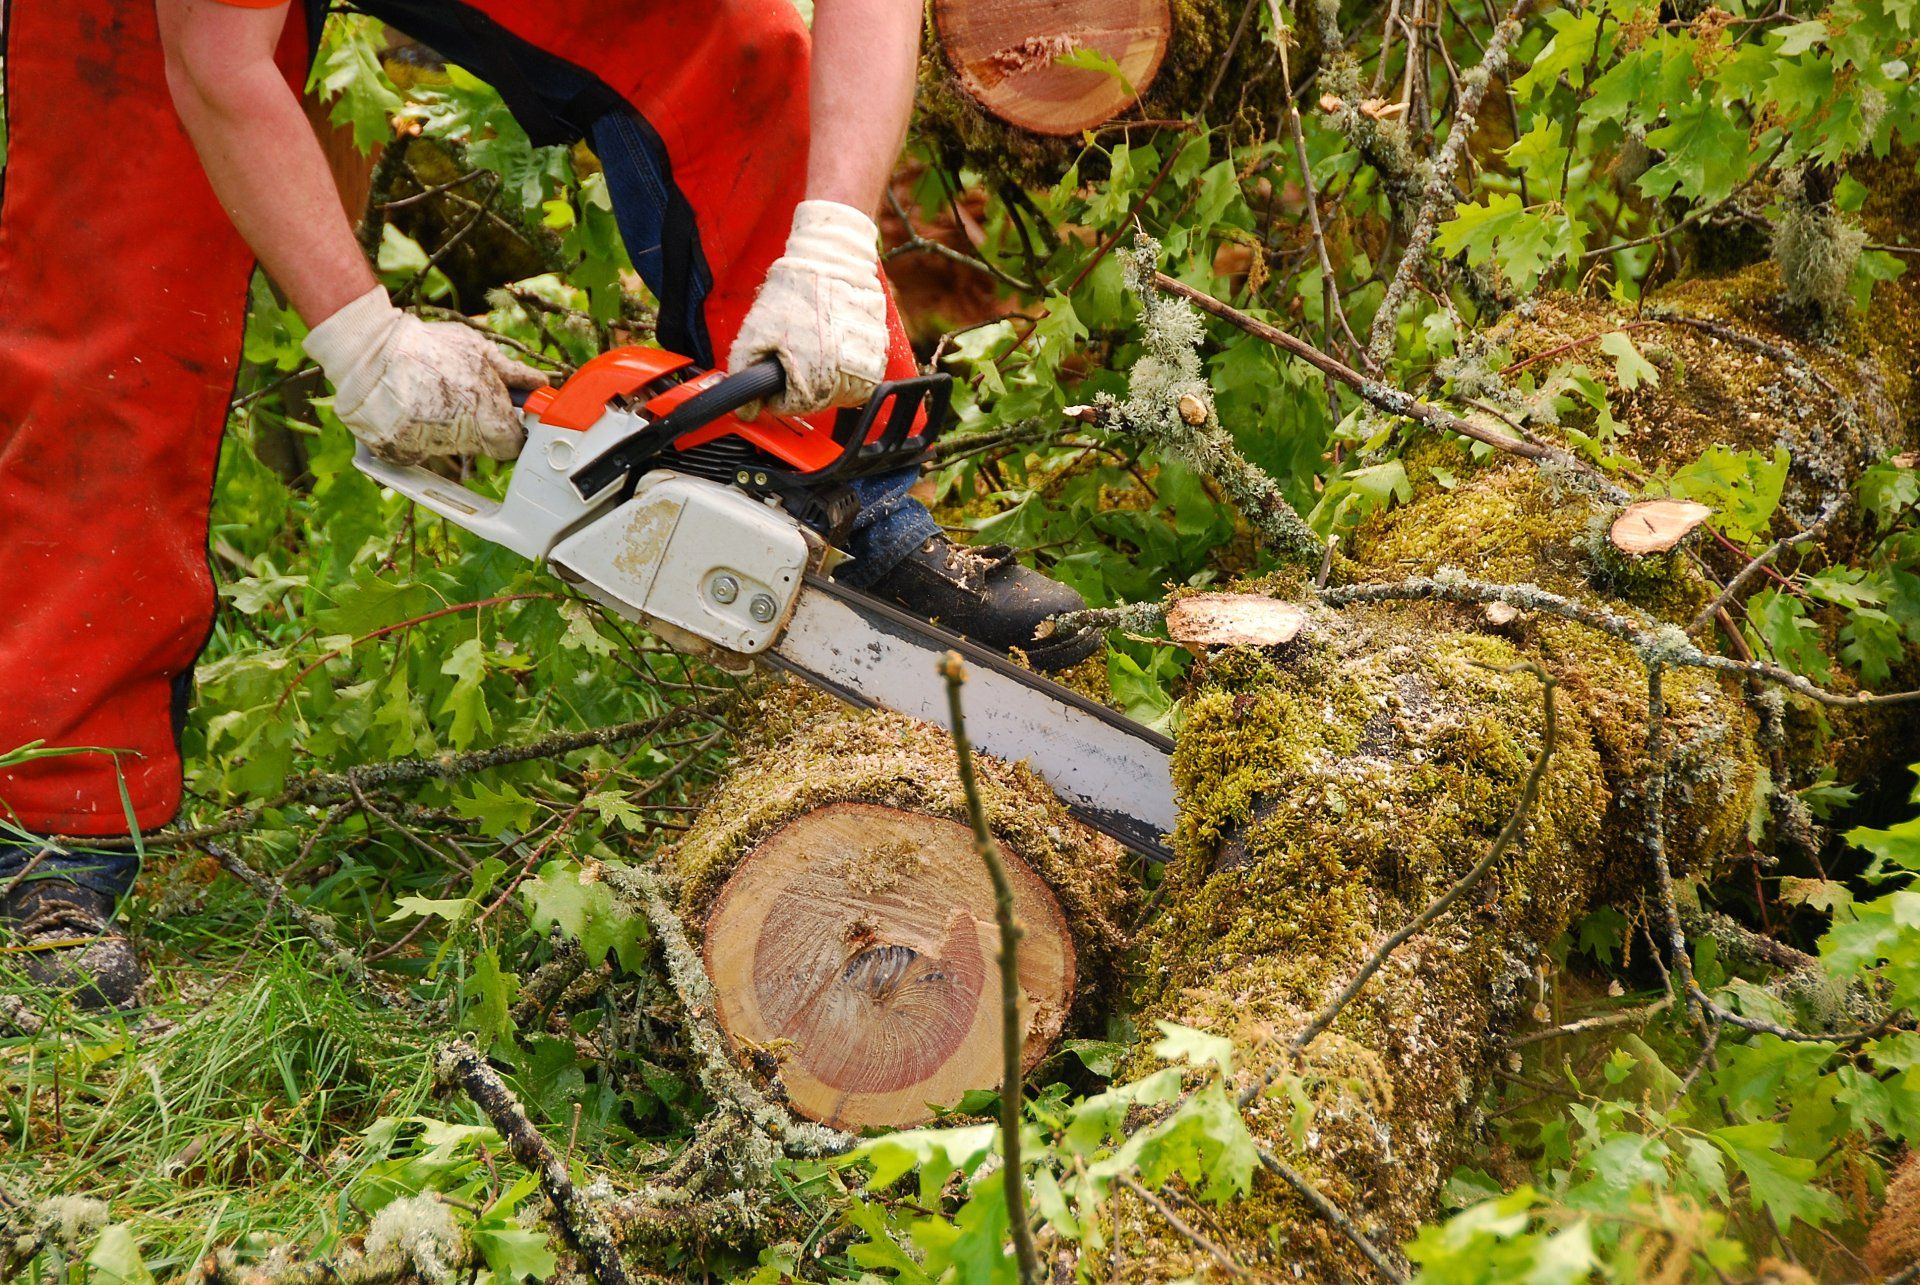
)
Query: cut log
[
  {"x": 995, "y": 98},
  {"x": 1006, "y": 55},
  {"x": 848, "y": 924},
  {"x": 863, "y": 937}
]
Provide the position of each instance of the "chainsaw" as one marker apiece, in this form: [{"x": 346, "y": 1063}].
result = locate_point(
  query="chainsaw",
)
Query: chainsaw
[{"x": 641, "y": 486}]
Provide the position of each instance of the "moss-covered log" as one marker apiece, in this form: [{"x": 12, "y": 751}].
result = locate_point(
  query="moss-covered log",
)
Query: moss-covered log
[
  {"x": 848, "y": 923},
  {"x": 1333, "y": 787}
]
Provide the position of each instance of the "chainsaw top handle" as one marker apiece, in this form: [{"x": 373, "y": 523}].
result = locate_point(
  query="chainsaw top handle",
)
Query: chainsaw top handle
[{"x": 765, "y": 378}]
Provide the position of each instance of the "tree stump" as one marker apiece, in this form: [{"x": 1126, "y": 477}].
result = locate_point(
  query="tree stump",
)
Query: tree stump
[
  {"x": 847, "y": 923},
  {"x": 1006, "y": 55}
]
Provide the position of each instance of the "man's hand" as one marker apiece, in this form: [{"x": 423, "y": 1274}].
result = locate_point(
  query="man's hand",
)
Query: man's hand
[
  {"x": 414, "y": 390},
  {"x": 821, "y": 311}
]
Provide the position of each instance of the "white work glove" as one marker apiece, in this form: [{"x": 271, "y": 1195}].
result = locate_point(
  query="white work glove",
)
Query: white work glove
[
  {"x": 821, "y": 311},
  {"x": 416, "y": 390}
]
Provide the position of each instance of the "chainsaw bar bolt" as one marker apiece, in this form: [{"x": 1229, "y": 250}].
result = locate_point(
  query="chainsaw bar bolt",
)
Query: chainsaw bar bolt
[
  {"x": 762, "y": 608},
  {"x": 725, "y": 589}
]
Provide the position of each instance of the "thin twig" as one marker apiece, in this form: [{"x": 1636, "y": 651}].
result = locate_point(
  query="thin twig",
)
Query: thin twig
[
  {"x": 1384, "y": 396},
  {"x": 1439, "y": 192},
  {"x": 1754, "y": 567},
  {"x": 1201, "y": 1242},
  {"x": 1012, "y": 1038},
  {"x": 1667, "y": 642},
  {"x": 1333, "y": 1214}
]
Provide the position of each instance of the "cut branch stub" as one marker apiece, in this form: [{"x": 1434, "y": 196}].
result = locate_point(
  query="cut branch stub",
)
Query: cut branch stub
[
  {"x": 1233, "y": 620},
  {"x": 856, "y": 945},
  {"x": 1006, "y": 56},
  {"x": 1655, "y": 526}
]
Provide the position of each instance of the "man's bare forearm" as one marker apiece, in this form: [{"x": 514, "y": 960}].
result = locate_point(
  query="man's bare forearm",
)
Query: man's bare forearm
[
  {"x": 260, "y": 153},
  {"x": 865, "y": 55}
]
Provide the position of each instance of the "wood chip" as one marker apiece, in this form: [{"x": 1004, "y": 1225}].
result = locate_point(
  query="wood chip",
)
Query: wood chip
[
  {"x": 1192, "y": 409},
  {"x": 1233, "y": 620},
  {"x": 1655, "y": 526},
  {"x": 1331, "y": 103},
  {"x": 1501, "y": 613}
]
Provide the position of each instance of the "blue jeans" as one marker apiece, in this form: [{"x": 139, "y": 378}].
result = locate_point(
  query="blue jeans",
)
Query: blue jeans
[
  {"x": 890, "y": 525},
  {"x": 108, "y": 873}
]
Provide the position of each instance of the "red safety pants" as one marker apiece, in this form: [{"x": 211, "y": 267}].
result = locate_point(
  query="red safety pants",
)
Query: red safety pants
[{"x": 122, "y": 292}]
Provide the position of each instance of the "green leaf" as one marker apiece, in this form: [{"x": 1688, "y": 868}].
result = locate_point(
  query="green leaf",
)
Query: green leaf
[
  {"x": 1629, "y": 367},
  {"x": 516, "y": 1253},
  {"x": 1196, "y": 1048},
  {"x": 1743, "y": 488},
  {"x": 1102, "y": 1057},
  {"x": 615, "y": 808},
  {"x": 467, "y": 702},
  {"x": 115, "y": 1258},
  {"x": 1781, "y": 624},
  {"x": 499, "y": 810},
  {"x": 1522, "y": 240},
  {"x": 1088, "y": 58},
  {"x": 251, "y": 595},
  {"x": 585, "y": 909},
  {"x": 935, "y": 1154},
  {"x": 1706, "y": 152},
  {"x": 1205, "y": 1142},
  {"x": 1782, "y": 1183}
]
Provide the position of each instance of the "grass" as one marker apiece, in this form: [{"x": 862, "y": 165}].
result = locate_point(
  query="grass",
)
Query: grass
[{"x": 231, "y": 1111}]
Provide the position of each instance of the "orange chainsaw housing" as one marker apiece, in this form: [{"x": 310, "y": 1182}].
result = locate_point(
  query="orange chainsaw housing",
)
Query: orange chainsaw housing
[{"x": 658, "y": 381}]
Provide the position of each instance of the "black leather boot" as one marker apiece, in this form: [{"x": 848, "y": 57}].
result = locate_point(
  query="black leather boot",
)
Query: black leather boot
[
  {"x": 66, "y": 940},
  {"x": 986, "y": 595}
]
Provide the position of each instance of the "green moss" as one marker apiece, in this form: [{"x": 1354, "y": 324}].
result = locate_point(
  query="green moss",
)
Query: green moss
[{"x": 1327, "y": 795}]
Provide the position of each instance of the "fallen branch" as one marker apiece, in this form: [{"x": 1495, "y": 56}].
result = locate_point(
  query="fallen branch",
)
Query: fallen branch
[
  {"x": 1170, "y": 402},
  {"x": 1667, "y": 644},
  {"x": 329, "y": 787},
  {"x": 580, "y": 1221},
  {"x": 1384, "y": 396},
  {"x": 315, "y": 924},
  {"x": 223, "y": 1267}
]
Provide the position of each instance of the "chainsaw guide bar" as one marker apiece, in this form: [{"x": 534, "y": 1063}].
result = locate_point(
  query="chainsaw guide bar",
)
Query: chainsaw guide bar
[
  {"x": 1114, "y": 774},
  {"x": 640, "y": 485}
]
